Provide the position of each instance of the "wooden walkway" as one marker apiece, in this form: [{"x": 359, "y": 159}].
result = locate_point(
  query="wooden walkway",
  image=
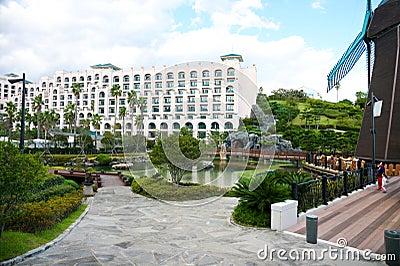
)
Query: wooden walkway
[{"x": 360, "y": 218}]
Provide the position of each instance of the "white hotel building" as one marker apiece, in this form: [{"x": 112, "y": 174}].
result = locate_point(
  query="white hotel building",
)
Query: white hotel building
[{"x": 205, "y": 96}]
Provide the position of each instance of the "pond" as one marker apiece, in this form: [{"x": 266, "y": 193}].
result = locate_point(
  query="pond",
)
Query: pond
[{"x": 223, "y": 174}]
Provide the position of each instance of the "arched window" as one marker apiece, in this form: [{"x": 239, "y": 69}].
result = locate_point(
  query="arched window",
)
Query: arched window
[
  {"x": 73, "y": 79},
  {"x": 89, "y": 115},
  {"x": 218, "y": 73},
  {"x": 164, "y": 126},
  {"x": 116, "y": 79},
  {"x": 152, "y": 126},
  {"x": 136, "y": 78},
  {"x": 44, "y": 85},
  {"x": 176, "y": 126},
  {"x": 189, "y": 125},
  {"x": 229, "y": 89},
  {"x": 97, "y": 77},
  {"x": 89, "y": 78},
  {"x": 181, "y": 75},
  {"x": 170, "y": 75},
  {"x": 158, "y": 76},
  {"x": 66, "y": 79},
  {"x": 51, "y": 85},
  {"x": 126, "y": 78},
  {"x": 201, "y": 125},
  {"x": 206, "y": 74},
  {"x": 81, "y": 78},
  {"x": 214, "y": 126},
  {"x": 58, "y": 79},
  {"x": 230, "y": 72},
  {"x": 228, "y": 125},
  {"x": 105, "y": 79},
  {"x": 147, "y": 77},
  {"x": 81, "y": 115},
  {"x": 54, "y": 91},
  {"x": 193, "y": 74},
  {"x": 107, "y": 126},
  {"x": 101, "y": 94},
  {"x": 128, "y": 126}
]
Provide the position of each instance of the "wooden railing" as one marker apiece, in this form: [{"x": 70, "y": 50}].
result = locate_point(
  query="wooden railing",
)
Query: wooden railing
[{"x": 262, "y": 154}]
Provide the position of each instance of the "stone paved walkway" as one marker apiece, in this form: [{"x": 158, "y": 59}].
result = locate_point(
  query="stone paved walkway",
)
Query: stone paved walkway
[{"x": 122, "y": 228}]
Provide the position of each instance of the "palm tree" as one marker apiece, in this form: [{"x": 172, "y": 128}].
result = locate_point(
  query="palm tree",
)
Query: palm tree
[
  {"x": 337, "y": 87},
  {"x": 49, "y": 120},
  {"x": 132, "y": 98},
  {"x": 96, "y": 122},
  {"x": 11, "y": 112},
  {"x": 122, "y": 113},
  {"x": 69, "y": 115},
  {"x": 141, "y": 103},
  {"x": 76, "y": 90},
  {"x": 86, "y": 123},
  {"x": 116, "y": 92},
  {"x": 37, "y": 106}
]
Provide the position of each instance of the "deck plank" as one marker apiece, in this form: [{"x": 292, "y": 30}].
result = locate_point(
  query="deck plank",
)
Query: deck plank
[{"x": 360, "y": 218}]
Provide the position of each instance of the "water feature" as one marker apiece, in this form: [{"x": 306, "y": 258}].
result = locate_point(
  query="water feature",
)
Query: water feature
[{"x": 223, "y": 174}]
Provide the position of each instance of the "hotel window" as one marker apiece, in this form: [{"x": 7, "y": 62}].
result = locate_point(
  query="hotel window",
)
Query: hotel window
[
  {"x": 217, "y": 108},
  {"x": 215, "y": 116},
  {"x": 105, "y": 79},
  {"x": 191, "y": 99},
  {"x": 193, "y": 74},
  {"x": 229, "y": 107},
  {"x": 193, "y": 83},
  {"x": 216, "y": 99},
  {"x": 158, "y": 85},
  {"x": 126, "y": 86},
  {"x": 204, "y": 91},
  {"x": 85, "y": 103},
  {"x": 101, "y": 102},
  {"x": 89, "y": 78},
  {"x": 218, "y": 82},
  {"x": 122, "y": 102},
  {"x": 81, "y": 78},
  {"x": 55, "y": 98},
  {"x": 96, "y": 77},
  {"x": 69, "y": 97},
  {"x": 111, "y": 110},
  {"x": 203, "y": 99},
  {"x": 203, "y": 108},
  {"x": 206, "y": 73},
  {"x": 101, "y": 110},
  {"x": 54, "y": 104},
  {"x": 181, "y": 75},
  {"x": 156, "y": 109},
  {"x": 167, "y": 109},
  {"x": 230, "y": 99},
  {"x": 229, "y": 89},
  {"x": 181, "y": 84},
  {"x": 58, "y": 79},
  {"x": 179, "y": 100},
  {"x": 167, "y": 100},
  {"x": 170, "y": 75},
  {"x": 191, "y": 108},
  {"x": 231, "y": 80},
  {"x": 158, "y": 76},
  {"x": 66, "y": 86},
  {"x": 136, "y": 78},
  {"x": 192, "y": 92},
  {"x": 217, "y": 90},
  {"x": 218, "y": 73},
  {"x": 61, "y": 103},
  {"x": 231, "y": 72},
  {"x": 66, "y": 80},
  {"x": 180, "y": 92},
  {"x": 147, "y": 77},
  {"x": 73, "y": 79},
  {"x": 206, "y": 83},
  {"x": 155, "y": 101},
  {"x": 147, "y": 85},
  {"x": 137, "y": 86},
  {"x": 126, "y": 78},
  {"x": 170, "y": 84},
  {"x": 177, "y": 117},
  {"x": 179, "y": 108},
  {"x": 101, "y": 94},
  {"x": 116, "y": 79},
  {"x": 85, "y": 96},
  {"x": 111, "y": 102}
]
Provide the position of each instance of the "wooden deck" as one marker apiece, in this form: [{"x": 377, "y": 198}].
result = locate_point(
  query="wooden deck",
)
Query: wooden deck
[{"x": 360, "y": 218}]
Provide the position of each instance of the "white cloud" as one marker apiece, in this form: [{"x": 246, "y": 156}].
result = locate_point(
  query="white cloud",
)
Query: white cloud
[
  {"x": 317, "y": 5},
  {"x": 41, "y": 36}
]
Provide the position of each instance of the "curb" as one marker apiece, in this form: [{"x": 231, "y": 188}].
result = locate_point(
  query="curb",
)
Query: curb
[{"x": 46, "y": 246}]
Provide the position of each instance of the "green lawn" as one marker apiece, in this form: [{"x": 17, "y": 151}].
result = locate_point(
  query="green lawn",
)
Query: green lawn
[{"x": 13, "y": 244}]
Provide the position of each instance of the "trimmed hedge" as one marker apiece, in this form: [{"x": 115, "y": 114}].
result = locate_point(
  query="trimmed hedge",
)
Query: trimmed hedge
[
  {"x": 53, "y": 191},
  {"x": 38, "y": 216}
]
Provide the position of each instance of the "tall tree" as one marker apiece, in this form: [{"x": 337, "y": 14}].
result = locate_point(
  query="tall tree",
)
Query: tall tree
[
  {"x": 69, "y": 115},
  {"x": 132, "y": 97},
  {"x": 76, "y": 90},
  {"x": 116, "y": 92},
  {"x": 96, "y": 122},
  {"x": 122, "y": 114},
  {"x": 11, "y": 113},
  {"x": 37, "y": 106},
  {"x": 49, "y": 119},
  {"x": 141, "y": 104}
]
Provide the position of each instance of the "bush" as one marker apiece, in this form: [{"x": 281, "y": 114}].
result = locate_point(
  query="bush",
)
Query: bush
[
  {"x": 61, "y": 159},
  {"x": 50, "y": 192},
  {"x": 103, "y": 159},
  {"x": 71, "y": 183},
  {"x": 250, "y": 217},
  {"x": 38, "y": 216}
]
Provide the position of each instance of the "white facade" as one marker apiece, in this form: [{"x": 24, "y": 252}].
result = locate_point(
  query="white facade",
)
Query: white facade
[{"x": 204, "y": 96}]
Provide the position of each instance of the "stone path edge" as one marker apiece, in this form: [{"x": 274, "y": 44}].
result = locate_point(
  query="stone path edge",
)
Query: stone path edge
[{"x": 44, "y": 247}]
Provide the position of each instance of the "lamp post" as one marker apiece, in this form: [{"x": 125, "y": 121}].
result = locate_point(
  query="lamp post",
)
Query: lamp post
[
  {"x": 373, "y": 130},
  {"x": 22, "y": 136}
]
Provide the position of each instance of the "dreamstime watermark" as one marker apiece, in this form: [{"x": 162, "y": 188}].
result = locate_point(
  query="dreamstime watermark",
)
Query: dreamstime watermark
[{"x": 340, "y": 253}]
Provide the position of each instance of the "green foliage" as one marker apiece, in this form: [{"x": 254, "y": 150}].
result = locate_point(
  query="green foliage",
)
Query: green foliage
[
  {"x": 20, "y": 174},
  {"x": 177, "y": 151},
  {"x": 42, "y": 215},
  {"x": 108, "y": 140},
  {"x": 284, "y": 94},
  {"x": 290, "y": 177},
  {"x": 103, "y": 159},
  {"x": 260, "y": 199},
  {"x": 58, "y": 190},
  {"x": 162, "y": 189},
  {"x": 59, "y": 159},
  {"x": 71, "y": 183},
  {"x": 250, "y": 217}
]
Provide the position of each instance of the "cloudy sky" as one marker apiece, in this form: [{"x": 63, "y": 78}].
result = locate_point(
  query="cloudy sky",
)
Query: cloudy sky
[{"x": 293, "y": 43}]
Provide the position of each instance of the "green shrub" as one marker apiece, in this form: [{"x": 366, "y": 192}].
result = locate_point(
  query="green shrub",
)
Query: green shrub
[
  {"x": 50, "y": 192},
  {"x": 250, "y": 217},
  {"x": 71, "y": 183},
  {"x": 52, "y": 180},
  {"x": 38, "y": 216},
  {"x": 103, "y": 159},
  {"x": 59, "y": 159}
]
